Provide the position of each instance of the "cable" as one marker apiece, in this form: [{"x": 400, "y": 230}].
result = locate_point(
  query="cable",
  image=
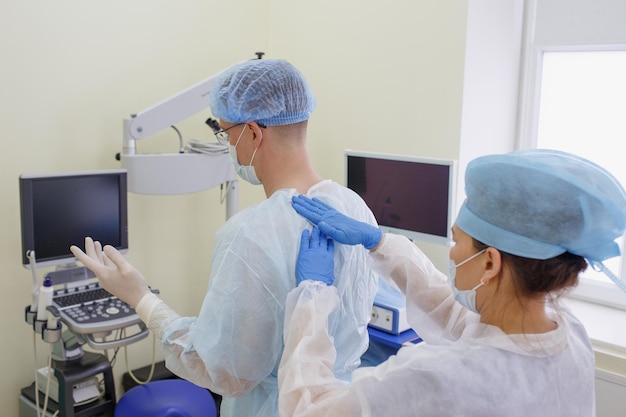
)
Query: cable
[
  {"x": 49, "y": 377},
  {"x": 195, "y": 146},
  {"x": 36, "y": 371},
  {"x": 223, "y": 194},
  {"x": 115, "y": 351},
  {"x": 181, "y": 148},
  {"x": 134, "y": 378},
  {"x": 211, "y": 148},
  {"x": 47, "y": 396}
]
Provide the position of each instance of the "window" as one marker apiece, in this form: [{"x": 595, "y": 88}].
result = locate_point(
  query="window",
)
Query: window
[{"x": 582, "y": 103}]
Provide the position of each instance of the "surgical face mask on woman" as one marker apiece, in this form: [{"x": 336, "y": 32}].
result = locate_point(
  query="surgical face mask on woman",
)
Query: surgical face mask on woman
[
  {"x": 466, "y": 298},
  {"x": 246, "y": 172}
]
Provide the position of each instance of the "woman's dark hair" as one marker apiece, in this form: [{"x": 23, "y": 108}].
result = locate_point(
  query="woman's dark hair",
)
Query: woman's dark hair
[{"x": 535, "y": 277}]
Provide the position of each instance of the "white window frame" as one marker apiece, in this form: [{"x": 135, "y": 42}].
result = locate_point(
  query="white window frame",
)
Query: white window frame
[{"x": 528, "y": 123}]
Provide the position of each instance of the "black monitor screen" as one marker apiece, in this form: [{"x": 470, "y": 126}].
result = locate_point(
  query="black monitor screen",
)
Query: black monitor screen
[
  {"x": 408, "y": 195},
  {"x": 59, "y": 210}
]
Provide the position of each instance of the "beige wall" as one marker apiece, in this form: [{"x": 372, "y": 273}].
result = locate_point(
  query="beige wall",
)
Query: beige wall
[
  {"x": 71, "y": 71},
  {"x": 388, "y": 77}
]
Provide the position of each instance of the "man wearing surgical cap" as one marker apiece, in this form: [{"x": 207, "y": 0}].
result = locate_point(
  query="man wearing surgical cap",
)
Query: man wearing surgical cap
[
  {"x": 234, "y": 345},
  {"x": 497, "y": 341}
]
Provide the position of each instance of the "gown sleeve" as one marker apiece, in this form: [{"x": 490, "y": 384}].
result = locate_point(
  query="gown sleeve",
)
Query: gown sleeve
[
  {"x": 431, "y": 308},
  {"x": 235, "y": 342},
  {"x": 306, "y": 383}
]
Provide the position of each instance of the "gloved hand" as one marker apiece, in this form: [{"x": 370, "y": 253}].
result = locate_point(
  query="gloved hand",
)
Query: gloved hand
[
  {"x": 316, "y": 259},
  {"x": 338, "y": 226},
  {"x": 120, "y": 279}
]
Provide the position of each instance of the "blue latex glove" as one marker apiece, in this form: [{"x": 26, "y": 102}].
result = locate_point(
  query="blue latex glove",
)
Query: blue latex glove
[
  {"x": 336, "y": 225},
  {"x": 316, "y": 259}
]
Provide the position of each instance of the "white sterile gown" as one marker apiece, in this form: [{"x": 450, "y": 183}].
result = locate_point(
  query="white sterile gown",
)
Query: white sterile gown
[
  {"x": 464, "y": 368},
  {"x": 235, "y": 344}
]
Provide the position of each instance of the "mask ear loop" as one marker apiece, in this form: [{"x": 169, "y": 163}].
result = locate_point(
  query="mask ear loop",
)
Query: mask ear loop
[
  {"x": 599, "y": 266},
  {"x": 256, "y": 149},
  {"x": 241, "y": 135}
]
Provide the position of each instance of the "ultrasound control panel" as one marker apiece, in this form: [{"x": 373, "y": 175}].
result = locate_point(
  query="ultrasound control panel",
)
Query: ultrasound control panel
[{"x": 91, "y": 309}]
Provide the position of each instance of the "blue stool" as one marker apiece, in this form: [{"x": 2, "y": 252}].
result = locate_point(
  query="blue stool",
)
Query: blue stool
[{"x": 166, "y": 398}]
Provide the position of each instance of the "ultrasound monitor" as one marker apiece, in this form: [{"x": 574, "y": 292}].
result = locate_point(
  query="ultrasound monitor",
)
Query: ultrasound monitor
[
  {"x": 59, "y": 209},
  {"x": 408, "y": 195}
]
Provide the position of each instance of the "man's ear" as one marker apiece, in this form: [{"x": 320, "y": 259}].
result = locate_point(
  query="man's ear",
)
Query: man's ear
[{"x": 256, "y": 130}]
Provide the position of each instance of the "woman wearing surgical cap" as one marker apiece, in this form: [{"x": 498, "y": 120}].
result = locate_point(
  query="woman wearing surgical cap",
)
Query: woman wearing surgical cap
[{"x": 497, "y": 341}]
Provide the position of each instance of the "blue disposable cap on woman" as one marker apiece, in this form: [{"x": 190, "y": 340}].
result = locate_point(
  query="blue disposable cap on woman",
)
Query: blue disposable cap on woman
[
  {"x": 271, "y": 92},
  {"x": 541, "y": 203}
]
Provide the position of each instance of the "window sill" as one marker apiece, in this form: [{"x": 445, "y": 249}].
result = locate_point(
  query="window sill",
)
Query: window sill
[{"x": 607, "y": 331}]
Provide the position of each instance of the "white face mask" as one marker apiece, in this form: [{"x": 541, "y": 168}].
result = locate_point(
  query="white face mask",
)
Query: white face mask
[
  {"x": 467, "y": 298},
  {"x": 246, "y": 172}
]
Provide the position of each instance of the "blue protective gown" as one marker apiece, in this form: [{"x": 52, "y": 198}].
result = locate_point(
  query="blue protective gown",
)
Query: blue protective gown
[
  {"x": 235, "y": 344},
  {"x": 465, "y": 368}
]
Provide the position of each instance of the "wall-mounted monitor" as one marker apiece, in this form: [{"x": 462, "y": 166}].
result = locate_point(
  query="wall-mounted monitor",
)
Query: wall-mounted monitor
[
  {"x": 59, "y": 209},
  {"x": 408, "y": 195}
]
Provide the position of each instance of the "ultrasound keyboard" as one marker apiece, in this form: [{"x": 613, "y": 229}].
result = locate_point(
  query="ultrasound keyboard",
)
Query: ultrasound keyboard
[{"x": 91, "y": 309}]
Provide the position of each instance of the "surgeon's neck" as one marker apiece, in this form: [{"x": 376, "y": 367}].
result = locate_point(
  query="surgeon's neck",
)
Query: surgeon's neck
[
  {"x": 299, "y": 175},
  {"x": 285, "y": 163}
]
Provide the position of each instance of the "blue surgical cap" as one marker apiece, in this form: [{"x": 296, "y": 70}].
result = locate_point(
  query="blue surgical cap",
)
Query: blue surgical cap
[
  {"x": 271, "y": 92},
  {"x": 541, "y": 203}
]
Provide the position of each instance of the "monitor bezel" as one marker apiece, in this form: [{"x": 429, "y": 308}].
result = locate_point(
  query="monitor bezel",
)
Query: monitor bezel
[
  {"x": 412, "y": 234},
  {"x": 27, "y": 220}
]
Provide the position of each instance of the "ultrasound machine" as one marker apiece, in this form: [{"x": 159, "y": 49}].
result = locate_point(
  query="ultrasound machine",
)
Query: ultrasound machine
[{"x": 69, "y": 309}]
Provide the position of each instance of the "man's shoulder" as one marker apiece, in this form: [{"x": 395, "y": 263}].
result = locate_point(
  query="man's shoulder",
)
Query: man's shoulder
[
  {"x": 343, "y": 199},
  {"x": 262, "y": 213}
]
